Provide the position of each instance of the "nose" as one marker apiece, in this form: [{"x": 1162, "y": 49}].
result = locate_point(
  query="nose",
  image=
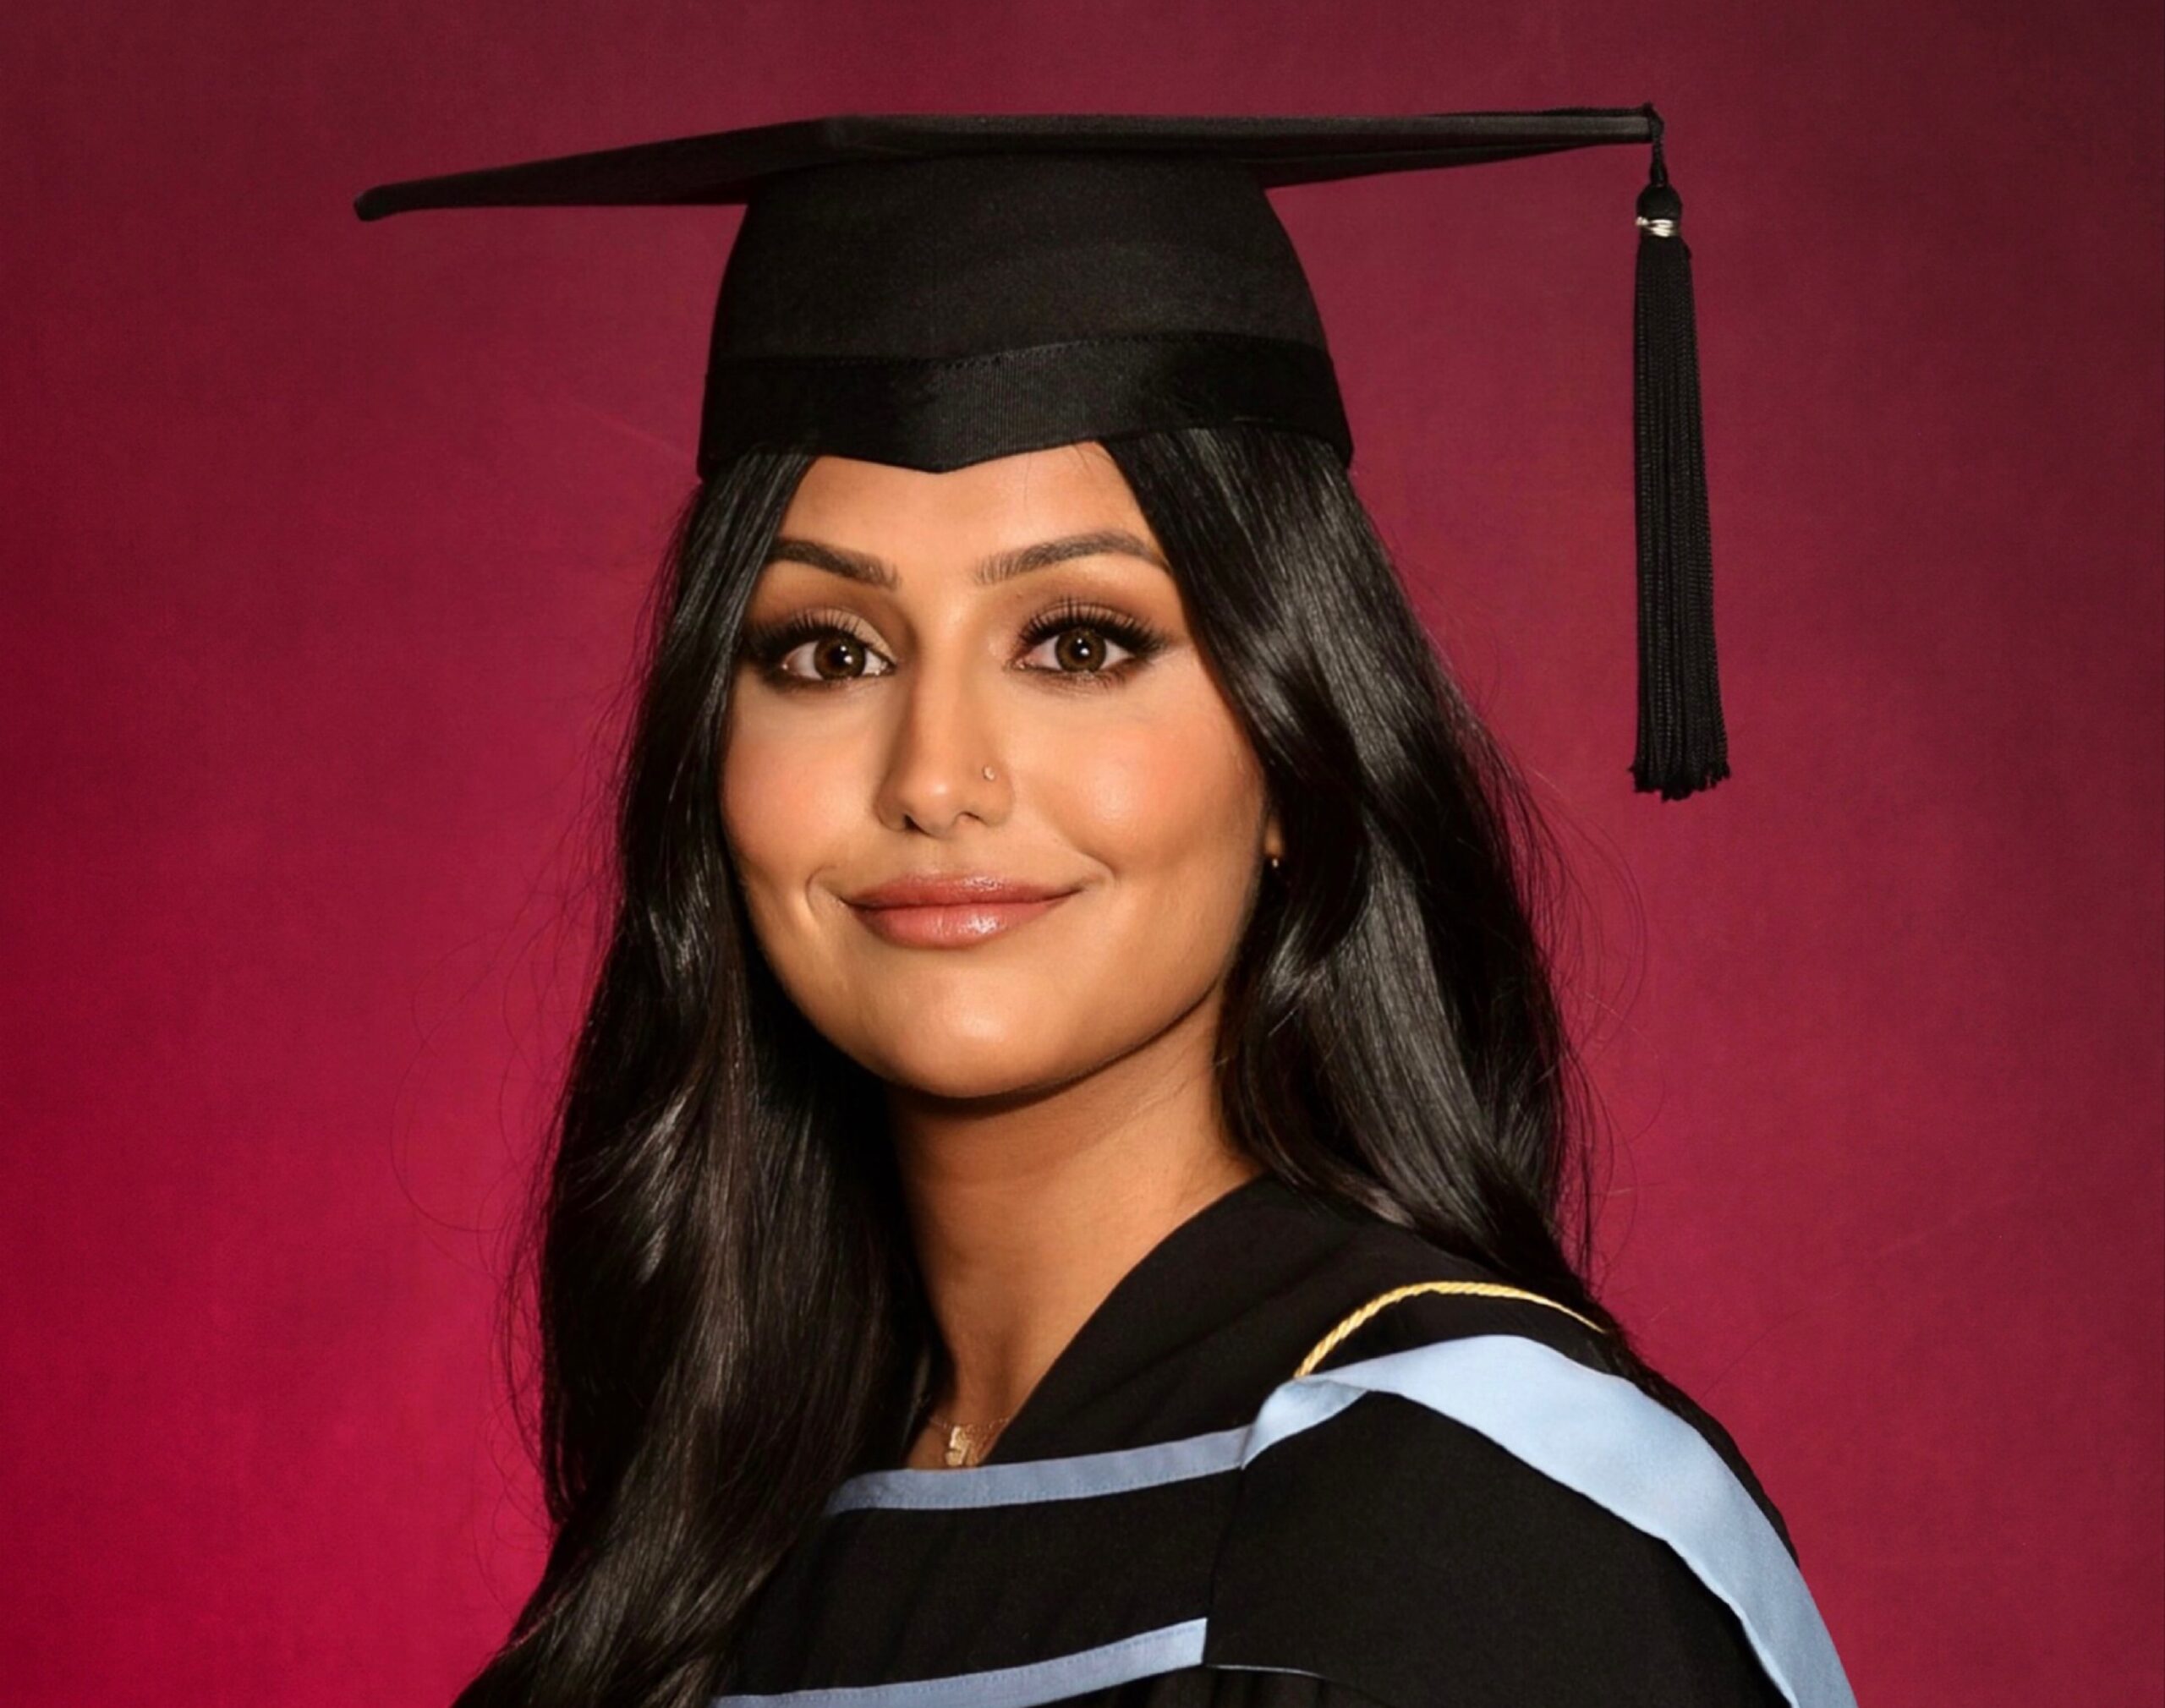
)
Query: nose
[{"x": 943, "y": 742}]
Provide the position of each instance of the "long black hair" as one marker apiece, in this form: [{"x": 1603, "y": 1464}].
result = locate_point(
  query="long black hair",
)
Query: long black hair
[{"x": 729, "y": 1313}]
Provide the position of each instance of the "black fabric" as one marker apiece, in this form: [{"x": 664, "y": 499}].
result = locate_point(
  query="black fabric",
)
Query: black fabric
[
  {"x": 1403, "y": 1553},
  {"x": 1203, "y": 1687},
  {"x": 981, "y": 254},
  {"x": 1683, "y": 744},
  {"x": 1044, "y": 245},
  {"x": 875, "y": 1595},
  {"x": 1391, "y": 1555},
  {"x": 944, "y": 414},
  {"x": 726, "y": 167}
]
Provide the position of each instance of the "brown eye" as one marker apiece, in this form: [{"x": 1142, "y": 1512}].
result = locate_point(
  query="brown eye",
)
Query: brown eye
[
  {"x": 829, "y": 653},
  {"x": 844, "y": 653},
  {"x": 1081, "y": 636},
  {"x": 1080, "y": 649}
]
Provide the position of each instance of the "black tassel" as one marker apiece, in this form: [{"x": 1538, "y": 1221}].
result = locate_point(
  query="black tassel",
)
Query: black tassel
[{"x": 1683, "y": 745}]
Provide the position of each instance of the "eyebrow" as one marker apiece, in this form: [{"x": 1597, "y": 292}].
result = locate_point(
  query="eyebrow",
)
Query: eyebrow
[{"x": 1001, "y": 565}]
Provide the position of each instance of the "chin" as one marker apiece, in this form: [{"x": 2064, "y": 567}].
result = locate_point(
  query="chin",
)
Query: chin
[{"x": 1005, "y": 1054}]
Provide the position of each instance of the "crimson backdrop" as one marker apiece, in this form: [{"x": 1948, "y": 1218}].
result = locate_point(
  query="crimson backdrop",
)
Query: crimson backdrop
[{"x": 324, "y": 548}]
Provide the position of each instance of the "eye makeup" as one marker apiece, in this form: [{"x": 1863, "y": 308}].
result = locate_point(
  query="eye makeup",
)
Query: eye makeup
[{"x": 766, "y": 646}]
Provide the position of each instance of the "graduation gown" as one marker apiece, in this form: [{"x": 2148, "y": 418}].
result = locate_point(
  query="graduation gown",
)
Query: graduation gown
[{"x": 1234, "y": 1490}]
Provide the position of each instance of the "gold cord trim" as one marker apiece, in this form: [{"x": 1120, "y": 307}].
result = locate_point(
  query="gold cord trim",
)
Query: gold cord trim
[{"x": 1489, "y": 1289}]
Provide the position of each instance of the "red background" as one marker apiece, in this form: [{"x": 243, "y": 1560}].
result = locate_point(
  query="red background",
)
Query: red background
[{"x": 325, "y": 545}]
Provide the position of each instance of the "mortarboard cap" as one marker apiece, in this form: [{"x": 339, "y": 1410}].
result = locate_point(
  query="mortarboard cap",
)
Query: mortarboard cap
[{"x": 932, "y": 290}]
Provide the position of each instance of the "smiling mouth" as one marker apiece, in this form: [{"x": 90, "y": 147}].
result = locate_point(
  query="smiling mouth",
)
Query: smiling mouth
[{"x": 953, "y": 925}]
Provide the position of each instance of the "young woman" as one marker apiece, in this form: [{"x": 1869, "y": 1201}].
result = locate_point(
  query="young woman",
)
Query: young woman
[{"x": 1070, "y": 1187}]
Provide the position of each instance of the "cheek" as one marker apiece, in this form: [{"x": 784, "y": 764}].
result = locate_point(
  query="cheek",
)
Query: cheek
[
  {"x": 1170, "y": 798},
  {"x": 1170, "y": 810},
  {"x": 790, "y": 808}
]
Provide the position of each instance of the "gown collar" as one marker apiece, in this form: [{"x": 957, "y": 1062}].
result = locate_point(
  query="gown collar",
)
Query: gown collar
[{"x": 1200, "y": 1328}]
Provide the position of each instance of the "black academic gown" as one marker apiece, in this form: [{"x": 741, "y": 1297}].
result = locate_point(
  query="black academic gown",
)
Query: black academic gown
[{"x": 1456, "y": 1506}]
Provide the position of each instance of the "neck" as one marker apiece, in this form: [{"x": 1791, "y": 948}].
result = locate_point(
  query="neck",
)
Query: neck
[{"x": 1027, "y": 1209}]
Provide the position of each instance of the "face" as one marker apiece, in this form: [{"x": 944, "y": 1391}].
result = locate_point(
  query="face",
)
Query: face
[{"x": 913, "y": 630}]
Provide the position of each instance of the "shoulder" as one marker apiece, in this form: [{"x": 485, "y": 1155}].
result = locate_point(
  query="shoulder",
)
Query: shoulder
[
  {"x": 1403, "y": 1293},
  {"x": 1414, "y": 1559},
  {"x": 1460, "y": 1501}
]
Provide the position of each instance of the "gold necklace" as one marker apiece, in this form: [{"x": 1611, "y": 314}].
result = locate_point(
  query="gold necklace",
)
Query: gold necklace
[{"x": 963, "y": 1445}]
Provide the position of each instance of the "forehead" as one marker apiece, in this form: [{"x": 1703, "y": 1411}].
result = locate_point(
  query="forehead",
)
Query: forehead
[{"x": 1000, "y": 502}]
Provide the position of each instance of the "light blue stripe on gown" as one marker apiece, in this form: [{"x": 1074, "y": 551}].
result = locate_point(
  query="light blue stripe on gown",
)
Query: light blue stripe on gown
[
  {"x": 1621, "y": 1449},
  {"x": 1140, "y": 1657},
  {"x": 1585, "y": 1428}
]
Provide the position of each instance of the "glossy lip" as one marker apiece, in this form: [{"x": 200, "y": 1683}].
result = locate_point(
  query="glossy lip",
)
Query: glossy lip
[
  {"x": 952, "y": 911},
  {"x": 953, "y": 889}
]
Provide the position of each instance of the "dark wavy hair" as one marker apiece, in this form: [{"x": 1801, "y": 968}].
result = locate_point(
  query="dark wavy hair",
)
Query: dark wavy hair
[{"x": 730, "y": 1316}]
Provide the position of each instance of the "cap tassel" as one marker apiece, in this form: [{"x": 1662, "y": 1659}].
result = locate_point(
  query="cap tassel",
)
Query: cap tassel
[{"x": 1683, "y": 745}]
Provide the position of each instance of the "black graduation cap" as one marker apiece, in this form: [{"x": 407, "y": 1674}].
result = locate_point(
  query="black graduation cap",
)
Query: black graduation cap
[{"x": 933, "y": 289}]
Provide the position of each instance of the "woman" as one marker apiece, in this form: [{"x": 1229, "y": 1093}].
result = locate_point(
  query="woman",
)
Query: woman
[{"x": 1070, "y": 1187}]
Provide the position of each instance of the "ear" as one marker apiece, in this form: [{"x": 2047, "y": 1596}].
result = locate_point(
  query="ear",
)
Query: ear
[{"x": 1273, "y": 839}]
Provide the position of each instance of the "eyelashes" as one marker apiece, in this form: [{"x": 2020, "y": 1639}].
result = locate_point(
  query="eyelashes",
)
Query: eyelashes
[{"x": 768, "y": 646}]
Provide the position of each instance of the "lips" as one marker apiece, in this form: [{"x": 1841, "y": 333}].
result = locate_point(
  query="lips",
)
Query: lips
[
  {"x": 950, "y": 889},
  {"x": 934, "y": 911}
]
